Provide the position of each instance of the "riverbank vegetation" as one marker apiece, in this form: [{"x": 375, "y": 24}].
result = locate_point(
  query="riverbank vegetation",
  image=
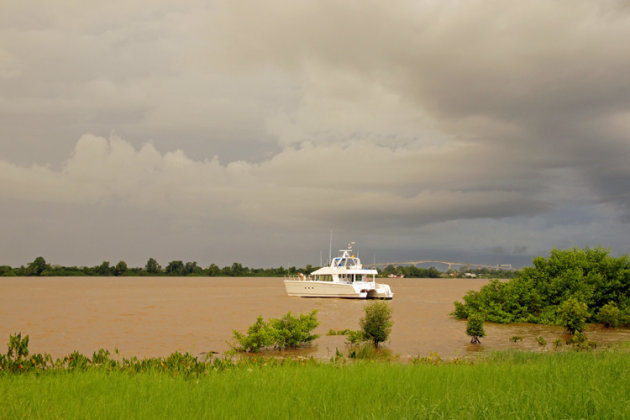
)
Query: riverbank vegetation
[
  {"x": 514, "y": 384},
  {"x": 569, "y": 288},
  {"x": 410, "y": 271},
  {"x": 177, "y": 268}
]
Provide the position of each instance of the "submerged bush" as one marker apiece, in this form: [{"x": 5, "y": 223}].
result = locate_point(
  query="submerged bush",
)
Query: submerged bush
[
  {"x": 474, "y": 328},
  {"x": 257, "y": 338},
  {"x": 377, "y": 323},
  {"x": 588, "y": 275},
  {"x": 281, "y": 333},
  {"x": 376, "y": 326},
  {"x": 290, "y": 331}
]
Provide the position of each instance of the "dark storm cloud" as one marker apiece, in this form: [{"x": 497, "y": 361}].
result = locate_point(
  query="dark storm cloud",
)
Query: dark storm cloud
[{"x": 534, "y": 83}]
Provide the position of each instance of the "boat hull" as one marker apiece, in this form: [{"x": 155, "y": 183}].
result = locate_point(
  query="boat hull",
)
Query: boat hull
[{"x": 358, "y": 290}]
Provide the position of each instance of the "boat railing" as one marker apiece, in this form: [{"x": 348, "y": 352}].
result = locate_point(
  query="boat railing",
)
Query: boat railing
[{"x": 299, "y": 277}]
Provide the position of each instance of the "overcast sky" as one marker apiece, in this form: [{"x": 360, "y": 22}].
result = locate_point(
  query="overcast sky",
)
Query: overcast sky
[{"x": 221, "y": 131}]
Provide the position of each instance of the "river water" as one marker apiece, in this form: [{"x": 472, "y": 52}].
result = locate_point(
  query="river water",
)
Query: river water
[{"x": 155, "y": 316}]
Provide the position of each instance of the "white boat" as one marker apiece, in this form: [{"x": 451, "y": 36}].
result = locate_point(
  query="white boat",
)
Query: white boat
[{"x": 345, "y": 277}]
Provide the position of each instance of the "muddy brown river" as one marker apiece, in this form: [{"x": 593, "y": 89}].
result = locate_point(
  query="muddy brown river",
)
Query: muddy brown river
[{"x": 155, "y": 316}]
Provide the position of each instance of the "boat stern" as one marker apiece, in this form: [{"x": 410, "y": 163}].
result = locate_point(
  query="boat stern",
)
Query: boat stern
[
  {"x": 381, "y": 291},
  {"x": 375, "y": 290}
]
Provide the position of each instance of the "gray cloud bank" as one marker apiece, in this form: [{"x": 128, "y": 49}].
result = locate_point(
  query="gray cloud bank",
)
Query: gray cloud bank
[{"x": 476, "y": 128}]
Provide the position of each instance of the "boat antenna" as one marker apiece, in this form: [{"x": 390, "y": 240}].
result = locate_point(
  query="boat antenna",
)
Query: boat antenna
[{"x": 330, "y": 248}]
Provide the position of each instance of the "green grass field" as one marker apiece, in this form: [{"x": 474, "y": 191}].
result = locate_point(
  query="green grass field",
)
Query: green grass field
[{"x": 566, "y": 384}]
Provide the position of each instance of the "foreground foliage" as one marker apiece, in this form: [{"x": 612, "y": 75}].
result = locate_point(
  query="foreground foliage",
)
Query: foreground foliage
[
  {"x": 506, "y": 385},
  {"x": 18, "y": 360},
  {"x": 587, "y": 278}
]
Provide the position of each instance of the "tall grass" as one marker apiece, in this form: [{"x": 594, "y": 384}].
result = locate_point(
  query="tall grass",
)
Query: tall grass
[{"x": 508, "y": 385}]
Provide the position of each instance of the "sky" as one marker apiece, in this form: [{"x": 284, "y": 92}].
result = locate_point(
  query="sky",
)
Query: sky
[{"x": 480, "y": 131}]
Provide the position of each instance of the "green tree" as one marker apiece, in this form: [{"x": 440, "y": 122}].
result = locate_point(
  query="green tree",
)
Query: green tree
[
  {"x": 237, "y": 270},
  {"x": 175, "y": 268},
  {"x": 120, "y": 268},
  {"x": 589, "y": 275},
  {"x": 390, "y": 269},
  {"x": 104, "y": 269},
  {"x": 377, "y": 323},
  {"x": 152, "y": 266},
  {"x": 191, "y": 268},
  {"x": 7, "y": 271},
  {"x": 37, "y": 267},
  {"x": 434, "y": 273},
  {"x": 474, "y": 328},
  {"x": 573, "y": 315},
  {"x": 609, "y": 315},
  {"x": 214, "y": 270}
]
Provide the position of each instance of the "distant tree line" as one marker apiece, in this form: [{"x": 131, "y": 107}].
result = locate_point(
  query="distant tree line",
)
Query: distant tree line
[
  {"x": 485, "y": 272},
  {"x": 39, "y": 267},
  {"x": 411, "y": 271}
]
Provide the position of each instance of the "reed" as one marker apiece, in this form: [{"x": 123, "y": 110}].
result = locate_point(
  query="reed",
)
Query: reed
[{"x": 507, "y": 385}]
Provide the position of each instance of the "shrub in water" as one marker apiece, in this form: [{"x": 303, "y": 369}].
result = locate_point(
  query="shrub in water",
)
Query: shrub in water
[
  {"x": 290, "y": 331},
  {"x": 355, "y": 336},
  {"x": 592, "y": 275},
  {"x": 377, "y": 323},
  {"x": 474, "y": 328},
  {"x": 258, "y": 337}
]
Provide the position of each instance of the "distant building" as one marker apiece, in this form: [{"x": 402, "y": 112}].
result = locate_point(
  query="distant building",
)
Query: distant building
[{"x": 470, "y": 275}]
